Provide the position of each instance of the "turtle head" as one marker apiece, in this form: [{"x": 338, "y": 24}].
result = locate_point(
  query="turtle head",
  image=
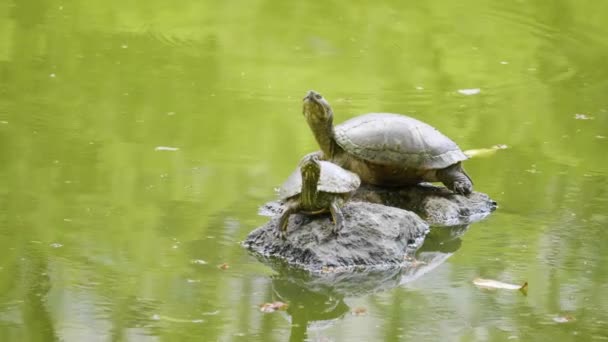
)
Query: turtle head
[
  {"x": 316, "y": 109},
  {"x": 310, "y": 164},
  {"x": 310, "y": 170},
  {"x": 320, "y": 119}
]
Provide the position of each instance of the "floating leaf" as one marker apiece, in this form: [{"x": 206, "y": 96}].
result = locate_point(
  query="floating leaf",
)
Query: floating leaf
[
  {"x": 165, "y": 148},
  {"x": 471, "y": 91},
  {"x": 328, "y": 269},
  {"x": 272, "y": 307},
  {"x": 359, "y": 311},
  {"x": 223, "y": 266},
  {"x": 564, "y": 319},
  {"x": 495, "y": 284},
  {"x": 582, "y": 117},
  {"x": 484, "y": 152}
]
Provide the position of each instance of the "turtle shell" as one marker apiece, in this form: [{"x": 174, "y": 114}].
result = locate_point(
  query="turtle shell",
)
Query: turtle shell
[
  {"x": 389, "y": 139},
  {"x": 333, "y": 179}
]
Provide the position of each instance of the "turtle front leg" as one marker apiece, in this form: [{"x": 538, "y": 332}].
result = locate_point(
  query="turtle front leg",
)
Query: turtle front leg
[
  {"x": 336, "y": 213},
  {"x": 456, "y": 179},
  {"x": 291, "y": 207}
]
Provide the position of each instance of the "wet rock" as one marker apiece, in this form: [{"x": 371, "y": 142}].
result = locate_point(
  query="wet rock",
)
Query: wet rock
[
  {"x": 293, "y": 284},
  {"x": 436, "y": 205},
  {"x": 374, "y": 236}
]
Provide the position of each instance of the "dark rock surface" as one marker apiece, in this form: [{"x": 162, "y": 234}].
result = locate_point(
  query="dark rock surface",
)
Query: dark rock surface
[
  {"x": 294, "y": 284},
  {"x": 374, "y": 236},
  {"x": 436, "y": 205}
]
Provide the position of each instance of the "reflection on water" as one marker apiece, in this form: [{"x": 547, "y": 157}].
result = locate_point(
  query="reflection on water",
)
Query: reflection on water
[
  {"x": 317, "y": 300},
  {"x": 98, "y": 228}
]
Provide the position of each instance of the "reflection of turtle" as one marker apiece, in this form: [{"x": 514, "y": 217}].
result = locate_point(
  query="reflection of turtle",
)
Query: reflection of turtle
[
  {"x": 317, "y": 187},
  {"x": 387, "y": 149}
]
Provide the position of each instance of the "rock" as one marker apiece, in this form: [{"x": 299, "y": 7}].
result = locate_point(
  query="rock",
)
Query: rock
[
  {"x": 374, "y": 236},
  {"x": 295, "y": 285},
  {"x": 436, "y": 205}
]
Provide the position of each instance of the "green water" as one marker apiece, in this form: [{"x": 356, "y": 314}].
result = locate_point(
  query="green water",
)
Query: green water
[{"x": 106, "y": 237}]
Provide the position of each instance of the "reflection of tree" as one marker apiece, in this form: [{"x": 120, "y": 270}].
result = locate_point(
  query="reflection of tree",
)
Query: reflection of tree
[
  {"x": 31, "y": 284},
  {"x": 36, "y": 316}
]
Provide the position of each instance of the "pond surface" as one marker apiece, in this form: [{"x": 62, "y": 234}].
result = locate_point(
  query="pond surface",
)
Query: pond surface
[{"x": 137, "y": 140}]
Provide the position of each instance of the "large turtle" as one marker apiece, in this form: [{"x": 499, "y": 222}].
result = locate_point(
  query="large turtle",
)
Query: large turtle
[
  {"x": 316, "y": 187},
  {"x": 387, "y": 149}
]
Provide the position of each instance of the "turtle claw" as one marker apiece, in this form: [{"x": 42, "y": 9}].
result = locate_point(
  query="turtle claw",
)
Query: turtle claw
[
  {"x": 462, "y": 188},
  {"x": 280, "y": 233},
  {"x": 337, "y": 228},
  {"x": 336, "y": 232}
]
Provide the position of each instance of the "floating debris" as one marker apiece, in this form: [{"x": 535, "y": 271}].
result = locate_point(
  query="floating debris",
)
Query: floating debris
[
  {"x": 485, "y": 152},
  {"x": 198, "y": 262},
  {"x": 495, "y": 284},
  {"x": 223, "y": 266},
  {"x": 563, "y": 319},
  {"x": 211, "y": 313},
  {"x": 328, "y": 269},
  {"x": 359, "y": 311},
  {"x": 272, "y": 307},
  {"x": 157, "y": 317},
  {"x": 165, "y": 148},
  {"x": 582, "y": 117},
  {"x": 472, "y": 91}
]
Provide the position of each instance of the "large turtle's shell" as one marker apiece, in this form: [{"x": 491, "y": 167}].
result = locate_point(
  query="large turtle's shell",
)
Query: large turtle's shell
[
  {"x": 333, "y": 179},
  {"x": 390, "y": 139}
]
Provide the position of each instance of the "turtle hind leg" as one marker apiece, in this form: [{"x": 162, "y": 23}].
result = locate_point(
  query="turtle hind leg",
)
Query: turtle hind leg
[{"x": 456, "y": 179}]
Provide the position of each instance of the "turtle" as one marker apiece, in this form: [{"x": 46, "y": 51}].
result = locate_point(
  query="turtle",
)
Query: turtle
[
  {"x": 315, "y": 187},
  {"x": 387, "y": 149}
]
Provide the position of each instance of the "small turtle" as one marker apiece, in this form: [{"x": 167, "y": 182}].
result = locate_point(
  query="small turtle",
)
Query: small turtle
[
  {"x": 387, "y": 149},
  {"x": 317, "y": 187}
]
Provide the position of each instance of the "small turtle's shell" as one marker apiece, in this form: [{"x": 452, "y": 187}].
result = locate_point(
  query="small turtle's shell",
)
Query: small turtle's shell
[
  {"x": 390, "y": 139},
  {"x": 333, "y": 179}
]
